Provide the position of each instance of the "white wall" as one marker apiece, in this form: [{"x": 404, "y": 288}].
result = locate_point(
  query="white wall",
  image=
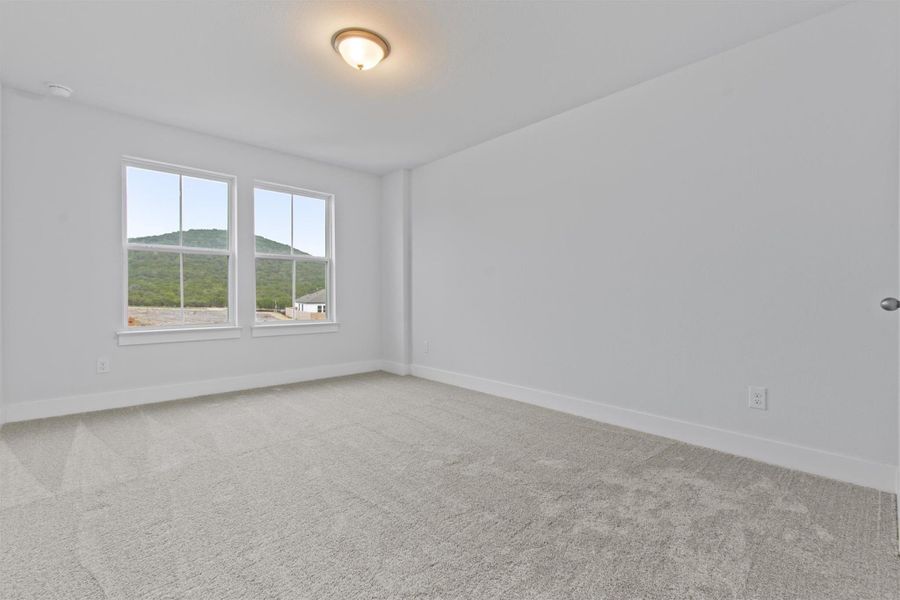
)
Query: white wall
[
  {"x": 395, "y": 260},
  {"x": 732, "y": 223},
  {"x": 62, "y": 263},
  {"x": 2, "y": 409},
  {"x": 728, "y": 224}
]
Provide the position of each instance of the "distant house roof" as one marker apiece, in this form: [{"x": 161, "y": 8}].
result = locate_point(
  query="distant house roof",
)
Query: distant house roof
[{"x": 317, "y": 297}]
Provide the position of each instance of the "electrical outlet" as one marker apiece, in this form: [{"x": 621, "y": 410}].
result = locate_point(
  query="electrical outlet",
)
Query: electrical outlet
[
  {"x": 426, "y": 347},
  {"x": 757, "y": 398},
  {"x": 103, "y": 365}
]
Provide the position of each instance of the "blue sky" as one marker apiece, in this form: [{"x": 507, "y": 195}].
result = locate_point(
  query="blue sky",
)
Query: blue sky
[
  {"x": 273, "y": 220},
  {"x": 153, "y": 209}
]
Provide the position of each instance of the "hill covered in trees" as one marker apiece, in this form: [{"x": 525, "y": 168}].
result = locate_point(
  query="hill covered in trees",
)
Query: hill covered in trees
[{"x": 154, "y": 277}]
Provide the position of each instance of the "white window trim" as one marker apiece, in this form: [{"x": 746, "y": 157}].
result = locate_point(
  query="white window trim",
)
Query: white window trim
[
  {"x": 289, "y": 328},
  {"x": 129, "y": 336},
  {"x": 135, "y": 337},
  {"x": 277, "y": 328}
]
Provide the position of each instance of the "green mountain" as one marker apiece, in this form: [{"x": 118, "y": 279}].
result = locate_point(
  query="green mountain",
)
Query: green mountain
[{"x": 153, "y": 277}]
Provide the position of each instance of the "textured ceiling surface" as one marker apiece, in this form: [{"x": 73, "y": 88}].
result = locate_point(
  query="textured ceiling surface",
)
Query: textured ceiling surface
[{"x": 459, "y": 72}]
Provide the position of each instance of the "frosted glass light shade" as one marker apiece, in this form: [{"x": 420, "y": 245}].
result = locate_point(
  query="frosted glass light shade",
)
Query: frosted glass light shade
[{"x": 361, "y": 49}]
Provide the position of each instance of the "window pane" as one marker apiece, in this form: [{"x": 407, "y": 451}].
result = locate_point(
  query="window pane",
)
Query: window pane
[
  {"x": 152, "y": 206},
  {"x": 204, "y": 212},
  {"x": 273, "y": 221},
  {"x": 205, "y": 289},
  {"x": 154, "y": 288},
  {"x": 311, "y": 302},
  {"x": 309, "y": 225},
  {"x": 273, "y": 288}
]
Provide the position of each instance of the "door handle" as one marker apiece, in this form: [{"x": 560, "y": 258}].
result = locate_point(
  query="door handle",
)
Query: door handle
[{"x": 890, "y": 304}]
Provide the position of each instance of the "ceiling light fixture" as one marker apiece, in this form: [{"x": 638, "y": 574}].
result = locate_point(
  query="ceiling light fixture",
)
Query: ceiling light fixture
[{"x": 360, "y": 48}]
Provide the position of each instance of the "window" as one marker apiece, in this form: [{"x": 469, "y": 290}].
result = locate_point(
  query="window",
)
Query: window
[
  {"x": 179, "y": 247},
  {"x": 294, "y": 262}
]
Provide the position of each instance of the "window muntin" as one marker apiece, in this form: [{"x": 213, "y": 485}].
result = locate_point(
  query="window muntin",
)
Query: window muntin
[
  {"x": 294, "y": 258},
  {"x": 179, "y": 247}
]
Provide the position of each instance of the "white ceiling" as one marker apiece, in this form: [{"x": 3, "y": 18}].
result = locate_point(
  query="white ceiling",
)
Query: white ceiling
[{"x": 459, "y": 72}]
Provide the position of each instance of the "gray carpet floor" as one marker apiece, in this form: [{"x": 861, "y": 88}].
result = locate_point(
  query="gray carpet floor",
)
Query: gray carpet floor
[{"x": 377, "y": 486}]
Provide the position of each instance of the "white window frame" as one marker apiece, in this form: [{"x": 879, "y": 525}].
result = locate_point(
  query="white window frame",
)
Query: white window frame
[
  {"x": 128, "y": 336},
  {"x": 329, "y": 325}
]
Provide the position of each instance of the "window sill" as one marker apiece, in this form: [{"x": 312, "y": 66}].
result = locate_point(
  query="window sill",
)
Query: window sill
[
  {"x": 274, "y": 329},
  {"x": 135, "y": 337}
]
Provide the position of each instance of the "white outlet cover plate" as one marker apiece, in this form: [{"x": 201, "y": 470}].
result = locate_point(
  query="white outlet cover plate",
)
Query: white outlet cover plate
[{"x": 757, "y": 397}]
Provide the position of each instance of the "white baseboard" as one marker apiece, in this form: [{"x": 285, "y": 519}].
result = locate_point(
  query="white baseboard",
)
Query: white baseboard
[
  {"x": 810, "y": 460},
  {"x": 55, "y": 407},
  {"x": 395, "y": 367},
  {"x": 859, "y": 471}
]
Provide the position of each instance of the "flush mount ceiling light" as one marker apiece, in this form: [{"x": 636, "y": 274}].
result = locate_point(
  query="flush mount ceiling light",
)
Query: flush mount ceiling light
[{"x": 360, "y": 48}]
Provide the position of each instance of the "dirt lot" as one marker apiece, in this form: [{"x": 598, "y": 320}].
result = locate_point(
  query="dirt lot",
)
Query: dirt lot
[
  {"x": 268, "y": 315},
  {"x": 155, "y": 316}
]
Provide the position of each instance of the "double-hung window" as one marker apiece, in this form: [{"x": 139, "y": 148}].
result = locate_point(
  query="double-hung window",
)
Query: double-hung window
[
  {"x": 294, "y": 257},
  {"x": 179, "y": 244}
]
